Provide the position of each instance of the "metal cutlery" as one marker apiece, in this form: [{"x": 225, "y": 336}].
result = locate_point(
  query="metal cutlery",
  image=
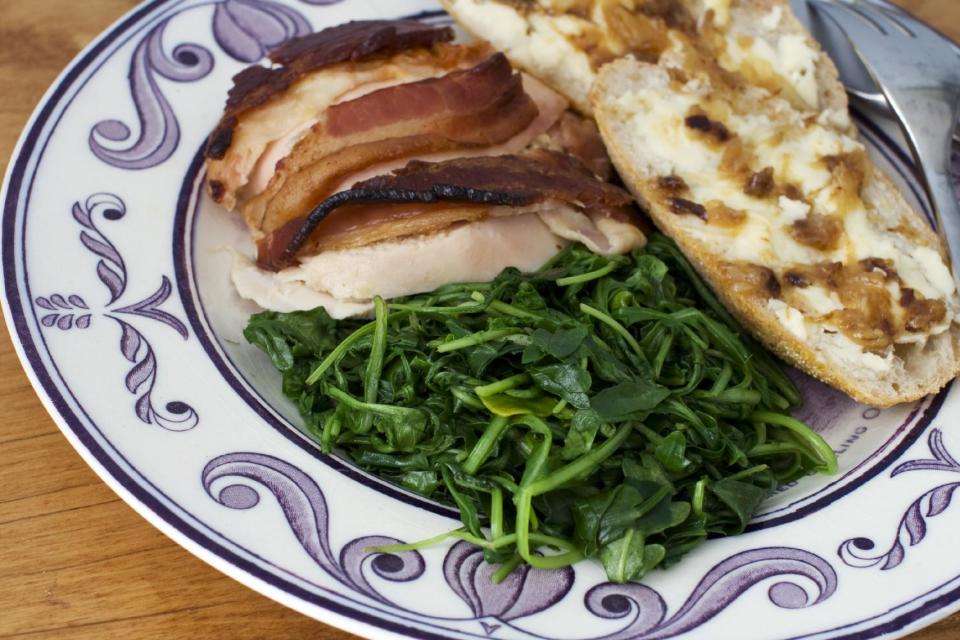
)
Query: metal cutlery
[
  {"x": 918, "y": 72},
  {"x": 863, "y": 91}
]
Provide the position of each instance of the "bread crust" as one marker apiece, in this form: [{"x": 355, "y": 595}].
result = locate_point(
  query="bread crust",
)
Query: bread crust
[{"x": 922, "y": 370}]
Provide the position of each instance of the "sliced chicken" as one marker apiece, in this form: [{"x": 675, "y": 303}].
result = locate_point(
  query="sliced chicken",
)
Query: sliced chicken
[
  {"x": 345, "y": 281},
  {"x": 376, "y": 158}
]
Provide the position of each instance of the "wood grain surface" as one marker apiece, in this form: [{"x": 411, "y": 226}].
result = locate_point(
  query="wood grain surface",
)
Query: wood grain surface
[{"x": 75, "y": 562}]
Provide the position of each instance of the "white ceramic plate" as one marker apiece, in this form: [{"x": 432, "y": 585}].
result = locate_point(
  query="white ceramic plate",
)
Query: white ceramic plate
[{"x": 117, "y": 297}]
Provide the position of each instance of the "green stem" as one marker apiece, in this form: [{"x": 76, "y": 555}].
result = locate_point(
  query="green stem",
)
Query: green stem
[
  {"x": 723, "y": 379},
  {"x": 456, "y": 534},
  {"x": 506, "y": 569},
  {"x": 760, "y": 428},
  {"x": 339, "y": 351},
  {"x": 738, "y": 396},
  {"x": 382, "y": 409},
  {"x": 374, "y": 368},
  {"x": 558, "y": 409},
  {"x": 481, "y": 451},
  {"x": 465, "y": 307},
  {"x": 467, "y": 398},
  {"x": 496, "y": 512},
  {"x": 331, "y": 429},
  {"x": 500, "y": 386},
  {"x": 746, "y": 473},
  {"x": 516, "y": 312},
  {"x": 698, "y": 495},
  {"x": 651, "y": 435},
  {"x": 665, "y": 346},
  {"x": 581, "y": 465},
  {"x": 523, "y": 501},
  {"x": 809, "y": 437},
  {"x": 779, "y": 401},
  {"x": 555, "y": 562},
  {"x": 461, "y": 534},
  {"x": 616, "y": 326},
  {"x": 552, "y": 541},
  {"x": 478, "y": 338},
  {"x": 776, "y": 448},
  {"x": 537, "y": 461},
  {"x": 627, "y": 517},
  {"x": 588, "y": 276}
]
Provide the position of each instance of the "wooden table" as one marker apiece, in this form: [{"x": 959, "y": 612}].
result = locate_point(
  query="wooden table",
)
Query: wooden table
[{"x": 75, "y": 561}]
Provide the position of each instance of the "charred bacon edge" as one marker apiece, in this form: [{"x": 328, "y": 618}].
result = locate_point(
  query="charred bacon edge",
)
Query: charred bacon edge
[
  {"x": 305, "y": 226},
  {"x": 522, "y": 181}
]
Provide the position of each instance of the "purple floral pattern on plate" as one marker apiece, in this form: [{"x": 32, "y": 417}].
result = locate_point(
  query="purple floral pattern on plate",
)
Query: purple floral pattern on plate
[
  {"x": 723, "y": 584},
  {"x": 159, "y": 132},
  {"x": 912, "y": 529},
  {"x": 72, "y": 311},
  {"x": 524, "y": 592},
  {"x": 305, "y": 509},
  {"x": 63, "y": 312},
  {"x": 248, "y": 29}
]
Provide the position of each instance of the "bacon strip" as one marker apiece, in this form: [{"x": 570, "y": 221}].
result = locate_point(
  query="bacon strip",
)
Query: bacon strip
[
  {"x": 474, "y": 108},
  {"x": 350, "y": 42},
  {"x": 443, "y": 102},
  {"x": 298, "y": 193},
  {"x": 267, "y": 133},
  {"x": 501, "y": 181},
  {"x": 543, "y": 174}
]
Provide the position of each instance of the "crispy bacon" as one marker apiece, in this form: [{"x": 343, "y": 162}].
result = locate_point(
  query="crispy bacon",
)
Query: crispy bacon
[
  {"x": 269, "y": 132},
  {"x": 357, "y": 40},
  {"x": 509, "y": 181},
  {"x": 303, "y": 188},
  {"x": 465, "y": 109},
  {"x": 516, "y": 178},
  {"x": 350, "y": 42}
]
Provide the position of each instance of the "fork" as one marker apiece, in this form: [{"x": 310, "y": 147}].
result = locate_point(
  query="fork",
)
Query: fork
[
  {"x": 861, "y": 88},
  {"x": 918, "y": 72}
]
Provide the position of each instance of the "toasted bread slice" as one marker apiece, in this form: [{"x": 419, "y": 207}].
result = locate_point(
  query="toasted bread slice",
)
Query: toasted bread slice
[
  {"x": 565, "y": 42},
  {"x": 802, "y": 238}
]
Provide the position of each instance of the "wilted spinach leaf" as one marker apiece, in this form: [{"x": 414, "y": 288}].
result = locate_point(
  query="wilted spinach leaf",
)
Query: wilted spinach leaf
[{"x": 603, "y": 407}]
